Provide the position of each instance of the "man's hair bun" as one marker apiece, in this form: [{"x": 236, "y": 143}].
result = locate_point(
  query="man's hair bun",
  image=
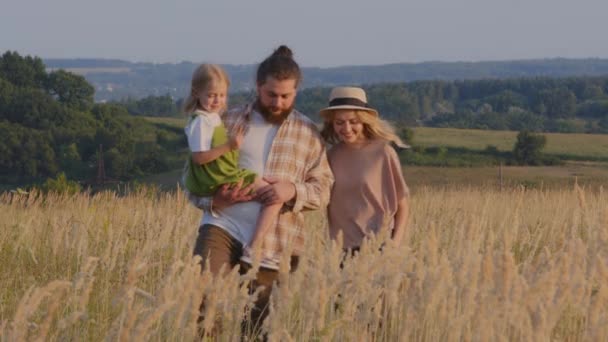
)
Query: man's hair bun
[{"x": 283, "y": 51}]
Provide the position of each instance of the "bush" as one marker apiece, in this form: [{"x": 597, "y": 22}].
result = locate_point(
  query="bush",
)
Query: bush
[
  {"x": 527, "y": 149},
  {"x": 407, "y": 135},
  {"x": 61, "y": 185}
]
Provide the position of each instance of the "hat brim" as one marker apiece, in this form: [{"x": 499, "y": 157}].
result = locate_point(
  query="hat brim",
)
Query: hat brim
[{"x": 323, "y": 112}]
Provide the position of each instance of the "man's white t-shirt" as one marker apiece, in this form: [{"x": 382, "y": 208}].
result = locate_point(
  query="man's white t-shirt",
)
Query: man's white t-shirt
[{"x": 239, "y": 219}]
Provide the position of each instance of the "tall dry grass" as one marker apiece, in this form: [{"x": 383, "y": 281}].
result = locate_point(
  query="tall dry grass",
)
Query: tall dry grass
[{"x": 476, "y": 265}]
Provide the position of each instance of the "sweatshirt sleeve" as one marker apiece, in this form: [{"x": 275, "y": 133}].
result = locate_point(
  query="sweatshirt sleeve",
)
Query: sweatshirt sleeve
[{"x": 396, "y": 172}]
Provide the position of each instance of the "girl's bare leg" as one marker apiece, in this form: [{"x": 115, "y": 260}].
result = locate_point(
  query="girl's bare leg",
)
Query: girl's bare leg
[{"x": 266, "y": 219}]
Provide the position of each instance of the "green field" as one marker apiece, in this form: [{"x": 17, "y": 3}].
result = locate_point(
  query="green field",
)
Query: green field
[
  {"x": 591, "y": 174},
  {"x": 173, "y": 122},
  {"x": 594, "y": 146},
  {"x": 96, "y": 70}
]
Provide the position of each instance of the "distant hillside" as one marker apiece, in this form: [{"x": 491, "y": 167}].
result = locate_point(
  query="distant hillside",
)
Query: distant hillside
[{"x": 117, "y": 79}]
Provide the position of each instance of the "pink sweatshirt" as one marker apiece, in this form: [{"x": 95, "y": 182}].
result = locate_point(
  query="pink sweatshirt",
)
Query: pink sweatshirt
[{"x": 368, "y": 187}]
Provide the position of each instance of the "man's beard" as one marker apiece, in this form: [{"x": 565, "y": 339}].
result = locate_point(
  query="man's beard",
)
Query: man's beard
[{"x": 270, "y": 117}]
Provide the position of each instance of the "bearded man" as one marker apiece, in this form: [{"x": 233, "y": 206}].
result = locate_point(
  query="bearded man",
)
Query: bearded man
[{"x": 285, "y": 147}]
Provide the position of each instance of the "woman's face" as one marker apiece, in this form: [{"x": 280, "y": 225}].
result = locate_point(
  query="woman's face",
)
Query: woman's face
[{"x": 348, "y": 127}]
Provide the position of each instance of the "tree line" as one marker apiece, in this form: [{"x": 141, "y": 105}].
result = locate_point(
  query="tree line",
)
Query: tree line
[
  {"x": 138, "y": 80},
  {"x": 49, "y": 123},
  {"x": 567, "y": 105},
  {"x": 574, "y": 104}
]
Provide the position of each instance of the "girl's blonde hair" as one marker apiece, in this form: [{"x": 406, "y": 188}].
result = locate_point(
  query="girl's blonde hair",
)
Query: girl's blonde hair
[
  {"x": 373, "y": 128},
  {"x": 204, "y": 76}
]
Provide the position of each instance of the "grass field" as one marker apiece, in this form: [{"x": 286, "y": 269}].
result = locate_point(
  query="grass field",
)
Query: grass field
[
  {"x": 580, "y": 145},
  {"x": 590, "y": 174},
  {"x": 85, "y": 71},
  {"x": 173, "y": 122},
  {"x": 476, "y": 265}
]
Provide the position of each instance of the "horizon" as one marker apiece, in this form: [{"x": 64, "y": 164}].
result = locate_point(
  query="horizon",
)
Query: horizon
[
  {"x": 326, "y": 67},
  {"x": 321, "y": 34}
]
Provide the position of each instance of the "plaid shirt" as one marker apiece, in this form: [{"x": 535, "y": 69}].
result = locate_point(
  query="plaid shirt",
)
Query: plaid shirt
[{"x": 298, "y": 155}]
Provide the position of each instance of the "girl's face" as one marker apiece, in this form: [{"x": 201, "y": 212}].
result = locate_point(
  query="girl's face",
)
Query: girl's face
[
  {"x": 348, "y": 127},
  {"x": 213, "y": 97}
]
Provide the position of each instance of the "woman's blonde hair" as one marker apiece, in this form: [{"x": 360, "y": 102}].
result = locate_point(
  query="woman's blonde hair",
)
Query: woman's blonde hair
[
  {"x": 373, "y": 128},
  {"x": 204, "y": 76}
]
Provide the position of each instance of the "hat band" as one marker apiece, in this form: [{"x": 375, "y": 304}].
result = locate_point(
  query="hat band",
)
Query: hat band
[{"x": 347, "y": 101}]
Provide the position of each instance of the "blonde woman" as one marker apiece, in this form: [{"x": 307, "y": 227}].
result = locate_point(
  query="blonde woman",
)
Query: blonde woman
[{"x": 369, "y": 193}]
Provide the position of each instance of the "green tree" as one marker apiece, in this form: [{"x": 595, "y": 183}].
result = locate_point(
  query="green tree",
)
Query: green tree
[
  {"x": 518, "y": 120},
  {"x": 6, "y": 94},
  {"x": 603, "y": 124},
  {"x": 70, "y": 89},
  {"x": 70, "y": 159},
  {"x": 32, "y": 108},
  {"x": 152, "y": 106},
  {"x": 558, "y": 103},
  {"x": 22, "y": 71},
  {"x": 592, "y": 91},
  {"x": 119, "y": 165},
  {"x": 504, "y": 100},
  {"x": 25, "y": 152},
  {"x": 528, "y": 147}
]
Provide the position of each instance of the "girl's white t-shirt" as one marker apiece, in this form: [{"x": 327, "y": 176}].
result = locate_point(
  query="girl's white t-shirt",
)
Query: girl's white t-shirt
[{"x": 200, "y": 130}]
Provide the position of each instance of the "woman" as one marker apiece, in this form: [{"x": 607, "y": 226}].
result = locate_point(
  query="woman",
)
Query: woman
[{"x": 369, "y": 193}]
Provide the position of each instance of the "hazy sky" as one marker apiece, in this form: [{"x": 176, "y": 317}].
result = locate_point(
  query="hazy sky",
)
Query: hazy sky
[{"x": 320, "y": 32}]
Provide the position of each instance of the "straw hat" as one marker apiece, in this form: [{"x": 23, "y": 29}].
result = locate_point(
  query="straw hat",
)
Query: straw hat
[{"x": 348, "y": 98}]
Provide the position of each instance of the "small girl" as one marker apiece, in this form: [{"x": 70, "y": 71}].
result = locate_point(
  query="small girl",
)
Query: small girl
[{"x": 214, "y": 158}]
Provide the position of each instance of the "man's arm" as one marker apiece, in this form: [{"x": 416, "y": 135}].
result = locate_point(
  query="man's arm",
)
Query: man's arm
[
  {"x": 309, "y": 194},
  {"x": 312, "y": 193},
  {"x": 224, "y": 197}
]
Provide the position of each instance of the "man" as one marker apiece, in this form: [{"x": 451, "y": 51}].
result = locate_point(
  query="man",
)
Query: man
[{"x": 285, "y": 147}]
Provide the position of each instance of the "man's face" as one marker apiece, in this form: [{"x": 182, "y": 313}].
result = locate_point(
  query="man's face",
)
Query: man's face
[{"x": 276, "y": 98}]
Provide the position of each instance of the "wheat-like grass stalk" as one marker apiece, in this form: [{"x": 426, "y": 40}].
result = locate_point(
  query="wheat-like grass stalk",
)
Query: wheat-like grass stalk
[{"x": 476, "y": 264}]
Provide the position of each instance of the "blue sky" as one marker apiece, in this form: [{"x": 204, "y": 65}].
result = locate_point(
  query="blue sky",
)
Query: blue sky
[{"x": 320, "y": 32}]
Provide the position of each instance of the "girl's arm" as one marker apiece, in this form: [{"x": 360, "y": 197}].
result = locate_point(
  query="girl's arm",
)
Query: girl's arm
[
  {"x": 401, "y": 216},
  {"x": 204, "y": 157}
]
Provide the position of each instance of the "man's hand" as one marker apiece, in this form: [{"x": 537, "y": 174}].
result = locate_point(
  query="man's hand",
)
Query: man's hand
[
  {"x": 276, "y": 191},
  {"x": 228, "y": 195}
]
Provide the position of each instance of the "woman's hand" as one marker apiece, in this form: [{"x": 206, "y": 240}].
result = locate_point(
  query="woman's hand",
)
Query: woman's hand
[{"x": 401, "y": 217}]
